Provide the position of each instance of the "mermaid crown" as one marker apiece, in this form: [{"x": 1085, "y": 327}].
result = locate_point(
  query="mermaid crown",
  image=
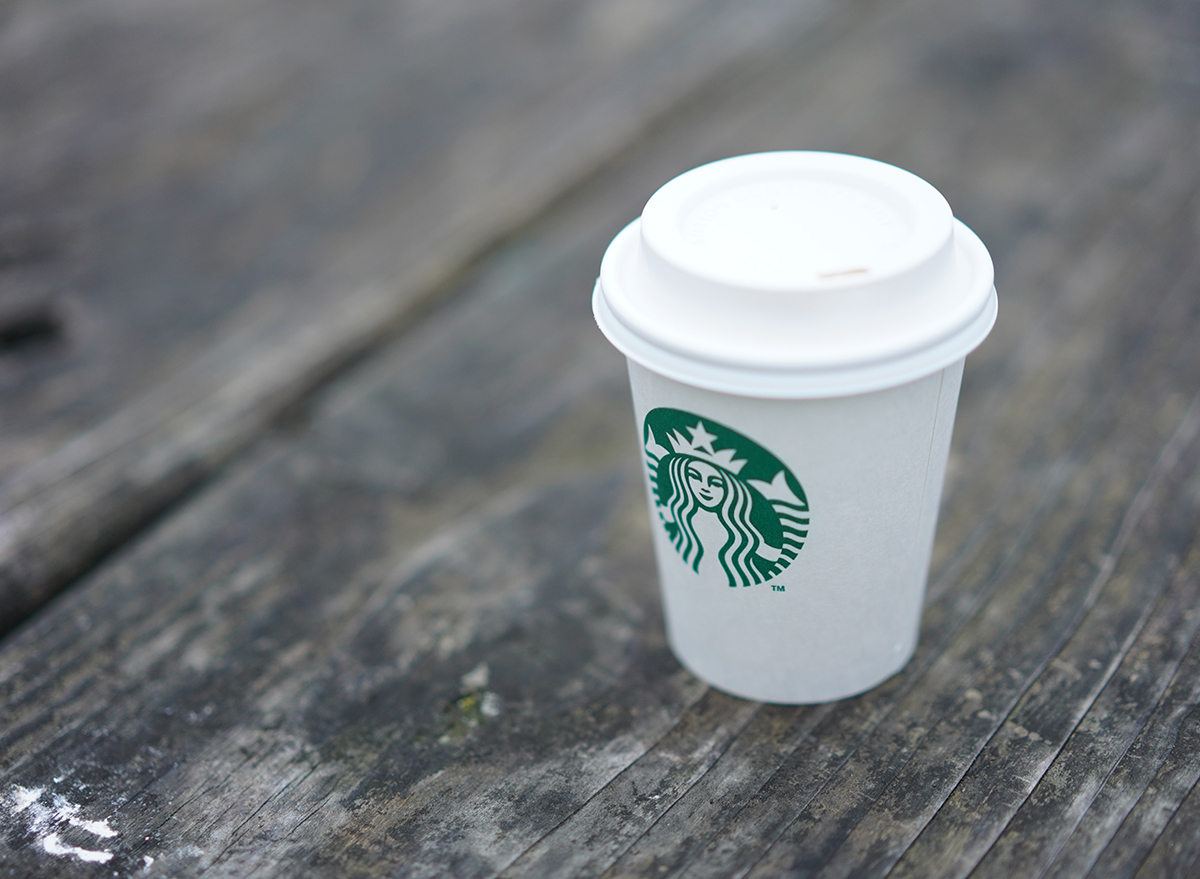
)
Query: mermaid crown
[{"x": 699, "y": 446}]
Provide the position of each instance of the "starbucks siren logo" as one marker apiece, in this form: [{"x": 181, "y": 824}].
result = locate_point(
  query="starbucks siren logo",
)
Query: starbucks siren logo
[{"x": 704, "y": 473}]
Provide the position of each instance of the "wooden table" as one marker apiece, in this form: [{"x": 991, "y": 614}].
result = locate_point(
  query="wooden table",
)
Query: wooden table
[{"x": 323, "y": 550}]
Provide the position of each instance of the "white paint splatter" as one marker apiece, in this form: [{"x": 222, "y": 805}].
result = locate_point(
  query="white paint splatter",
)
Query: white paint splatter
[
  {"x": 69, "y": 812},
  {"x": 53, "y": 845},
  {"x": 476, "y": 678},
  {"x": 147, "y": 862},
  {"x": 197, "y": 716},
  {"x": 45, "y": 820},
  {"x": 24, "y": 797},
  {"x": 489, "y": 706}
]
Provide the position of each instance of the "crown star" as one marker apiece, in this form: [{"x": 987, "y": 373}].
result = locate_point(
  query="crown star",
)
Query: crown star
[
  {"x": 701, "y": 446},
  {"x": 701, "y": 438}
]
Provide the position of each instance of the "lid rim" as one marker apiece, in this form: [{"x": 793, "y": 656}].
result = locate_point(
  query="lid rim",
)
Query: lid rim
[
  {"x": 966, "y": 246},
  {"x": 798, "y": 383}
]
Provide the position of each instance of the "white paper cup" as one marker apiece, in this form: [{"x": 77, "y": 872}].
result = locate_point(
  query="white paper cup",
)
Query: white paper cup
[{"x": 795, "y": 325}]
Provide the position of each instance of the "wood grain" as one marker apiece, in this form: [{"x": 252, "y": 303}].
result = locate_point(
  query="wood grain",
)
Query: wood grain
[
  {"x": 275, "y": 191},
  {"x": 415, "y": 632}
]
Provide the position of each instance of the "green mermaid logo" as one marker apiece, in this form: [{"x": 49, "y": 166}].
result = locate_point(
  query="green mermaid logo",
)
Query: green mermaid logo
[{"x": 719, "y": 492}]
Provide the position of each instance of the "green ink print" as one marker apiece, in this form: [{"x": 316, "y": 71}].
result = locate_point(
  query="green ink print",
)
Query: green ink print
[{"x": 699, "y": 467}]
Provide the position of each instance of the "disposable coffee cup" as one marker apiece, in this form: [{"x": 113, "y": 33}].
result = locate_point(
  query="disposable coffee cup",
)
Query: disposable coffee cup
[{"x": 795, "y": 325}]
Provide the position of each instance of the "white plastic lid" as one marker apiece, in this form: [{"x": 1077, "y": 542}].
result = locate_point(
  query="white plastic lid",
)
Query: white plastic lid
[{"x": 796, "y": 274}]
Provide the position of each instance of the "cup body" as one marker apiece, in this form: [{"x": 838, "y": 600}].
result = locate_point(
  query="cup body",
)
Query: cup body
[{"x": 837, "y": 611}]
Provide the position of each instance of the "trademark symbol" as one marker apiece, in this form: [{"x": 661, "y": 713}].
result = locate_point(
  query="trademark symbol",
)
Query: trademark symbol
[{"x": 777, "y": 587}]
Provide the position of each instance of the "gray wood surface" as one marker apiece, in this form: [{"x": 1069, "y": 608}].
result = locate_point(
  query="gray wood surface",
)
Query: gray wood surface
[
  {"x": 207, "y": 209},
  {"x": 413, "y": 630}
]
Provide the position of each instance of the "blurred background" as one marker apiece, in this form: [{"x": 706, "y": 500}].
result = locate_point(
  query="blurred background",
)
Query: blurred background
[{"x": 207, "y": 195}]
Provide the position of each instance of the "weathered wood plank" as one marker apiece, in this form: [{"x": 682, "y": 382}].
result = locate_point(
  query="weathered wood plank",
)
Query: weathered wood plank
[
  {"x": 311, "y": 672},
  {"x": 597, "y": 833},
  {"x": 1041, "y": 838},
  {"x": 1146, "y": 788},
  {"x": 272, "y": 195},
  {"x": 1175, "y": 852},
  {"x": 675, "y": 840},
  {"x": 418, "y": 633},
  {"x": 1005, "y": 773}
]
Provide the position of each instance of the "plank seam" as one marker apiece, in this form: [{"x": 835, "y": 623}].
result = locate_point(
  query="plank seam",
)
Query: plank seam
[
  {"x": 650, "y": 747},
  {"x": 1168, "y": 457}
]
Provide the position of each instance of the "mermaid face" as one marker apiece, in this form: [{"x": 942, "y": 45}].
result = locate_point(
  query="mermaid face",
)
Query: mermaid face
[{"x": 706, "y": 483}]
